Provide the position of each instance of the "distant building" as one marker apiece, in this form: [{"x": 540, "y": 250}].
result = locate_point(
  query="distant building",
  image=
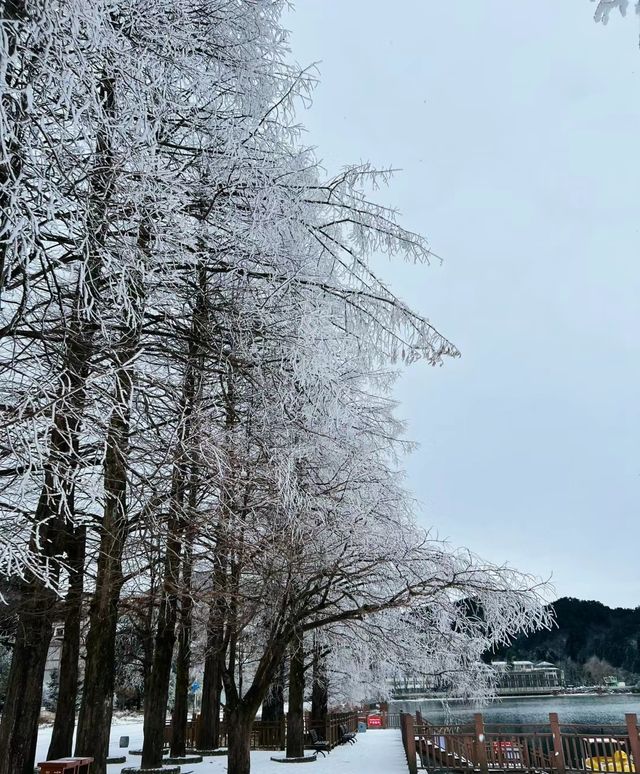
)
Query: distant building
[
  {"x": 513, "y": 678},
  {"x": 54, "y": 653},
  {"x": 409, "y": 687},
  {"x": 611, "y": 681},
  {"x": 527, "y": 676}
]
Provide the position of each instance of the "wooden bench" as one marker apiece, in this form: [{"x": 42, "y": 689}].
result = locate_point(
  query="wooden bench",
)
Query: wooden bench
[
  {"x": 346, "y": 736},
  {"x": 66, "y": 766},
  {"x": 319, "y": 745}
]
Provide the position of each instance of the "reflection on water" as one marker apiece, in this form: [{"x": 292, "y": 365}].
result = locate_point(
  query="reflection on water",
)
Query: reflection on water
[{"x": 587, "y": 710}]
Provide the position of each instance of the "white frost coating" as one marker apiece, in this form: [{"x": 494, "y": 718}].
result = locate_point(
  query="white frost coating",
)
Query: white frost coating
[
  {"x": 202, "y": 119},
  {"x": 176, "y": 266},
  {"x": 605, "y": 7}
]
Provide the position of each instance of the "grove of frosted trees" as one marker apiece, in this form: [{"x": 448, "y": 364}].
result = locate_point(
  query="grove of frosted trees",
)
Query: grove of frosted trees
[{"x": 195, "y": 370}]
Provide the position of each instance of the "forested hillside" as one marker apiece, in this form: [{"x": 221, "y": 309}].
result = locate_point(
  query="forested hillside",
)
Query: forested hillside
[{"x": 591, "y": 640}]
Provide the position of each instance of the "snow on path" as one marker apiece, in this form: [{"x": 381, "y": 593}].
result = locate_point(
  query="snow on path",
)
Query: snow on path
[{"x": 375, "y": 752}]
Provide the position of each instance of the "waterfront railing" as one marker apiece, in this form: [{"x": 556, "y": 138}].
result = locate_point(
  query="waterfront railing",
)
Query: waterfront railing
[{"x": 554, "y": 748}]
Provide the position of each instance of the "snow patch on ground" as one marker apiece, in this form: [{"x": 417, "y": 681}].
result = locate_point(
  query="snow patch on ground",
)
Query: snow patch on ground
[{"x": 376, "y": 752}]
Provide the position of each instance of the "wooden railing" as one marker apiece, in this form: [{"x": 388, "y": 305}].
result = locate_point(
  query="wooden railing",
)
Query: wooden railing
[
  {"x": 273, "y": 736},
  {"x": 269, "y": 735},
  {"x": 392, "y": 719},
  {"x": 264, "y": 735},
  {"x": 555, "y": 748}
]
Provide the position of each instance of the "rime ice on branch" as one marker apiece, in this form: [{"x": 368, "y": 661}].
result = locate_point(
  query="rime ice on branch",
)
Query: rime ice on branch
[{"x": 196, "y": 419}]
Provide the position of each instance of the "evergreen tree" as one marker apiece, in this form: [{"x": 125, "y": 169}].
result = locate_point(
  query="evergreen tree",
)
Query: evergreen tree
[{"x": 51, "y": 691}]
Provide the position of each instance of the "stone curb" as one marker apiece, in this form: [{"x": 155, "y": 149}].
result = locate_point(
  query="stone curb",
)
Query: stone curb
[
  {"x": 161, "y": 770},
  {"x": 196, "y": 758},
  {"x": 305, "y": 759}
]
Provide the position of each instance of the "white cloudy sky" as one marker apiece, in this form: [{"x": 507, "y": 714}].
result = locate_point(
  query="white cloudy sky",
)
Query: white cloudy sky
[{"x": 515, "y": 124}]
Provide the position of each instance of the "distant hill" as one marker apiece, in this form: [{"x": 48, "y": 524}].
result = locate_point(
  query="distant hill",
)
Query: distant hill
[{"x": 590, "y": 641}]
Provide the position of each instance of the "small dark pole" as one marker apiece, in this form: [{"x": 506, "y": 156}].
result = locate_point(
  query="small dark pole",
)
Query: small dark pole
[
  {"x": 481, "y": 743},
  {"x": 634, "y": 739},
  {"x": 558, "y": 750}
]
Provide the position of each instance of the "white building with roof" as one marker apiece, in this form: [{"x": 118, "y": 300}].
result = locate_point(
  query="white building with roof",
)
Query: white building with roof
[{"x": 527, "y": 676}]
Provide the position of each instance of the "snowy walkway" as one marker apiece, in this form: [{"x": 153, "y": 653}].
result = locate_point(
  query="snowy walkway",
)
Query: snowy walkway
[{"x": 376, "y": 752}]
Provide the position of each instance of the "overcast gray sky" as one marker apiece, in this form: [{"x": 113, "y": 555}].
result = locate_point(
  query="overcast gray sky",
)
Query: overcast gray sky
[{"x": 516, "y": 126}]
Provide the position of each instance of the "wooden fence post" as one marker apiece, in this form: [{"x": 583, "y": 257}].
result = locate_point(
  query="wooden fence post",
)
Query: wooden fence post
[
  {"x": 634, "y": 739},
  {"x": 409, "y": 739},
  {"x": 558, "y": 749},
  {"x": 481, "y": 743}
]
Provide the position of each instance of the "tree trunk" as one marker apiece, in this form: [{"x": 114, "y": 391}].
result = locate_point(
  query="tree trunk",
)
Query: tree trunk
[
  {"x": 242, "y": 711},
  {"x": 155, "y": 703},
  {"x": 273, "y": 707},
  {"x": 62, "y": 735},
  {"x": 295, "y": 715},
  {"x": 55, "y": 507},
  {"x": 239, "y": 730},
  {"x": 273, "y": 704},
  {"x": 319, "y": 692},
  {"x": 209, "y": 725},
  {"x": 19, "y": 730},
  {"x": 147, "y": 642},
  {"x": 208, "y": 732},
  {"x": 181, "y": 706},
  {"x": 94, "y": 721}
]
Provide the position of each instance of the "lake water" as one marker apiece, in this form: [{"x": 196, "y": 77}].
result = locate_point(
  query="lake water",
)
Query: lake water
[{"x": 591, "y": 710}]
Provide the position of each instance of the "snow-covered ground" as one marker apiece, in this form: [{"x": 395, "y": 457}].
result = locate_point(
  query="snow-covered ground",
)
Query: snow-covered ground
[{"x": 376, "y": 752}]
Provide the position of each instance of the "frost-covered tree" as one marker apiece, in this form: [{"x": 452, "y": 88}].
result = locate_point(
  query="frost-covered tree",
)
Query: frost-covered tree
[
  {"x": 59, "y": 151},
  {"x": 314, "y": 529},
  {"x": 195, "y": 354}
]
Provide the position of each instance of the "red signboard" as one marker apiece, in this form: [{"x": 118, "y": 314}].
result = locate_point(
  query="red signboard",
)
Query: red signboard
[{"x": 374, "y": 721}]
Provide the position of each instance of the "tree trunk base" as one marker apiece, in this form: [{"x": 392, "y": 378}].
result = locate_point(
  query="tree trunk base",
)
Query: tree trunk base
[
  {"x": 157, "y": 770},
  {"x": 305, "y": 759},
  {"x": 179, "y": 760}
]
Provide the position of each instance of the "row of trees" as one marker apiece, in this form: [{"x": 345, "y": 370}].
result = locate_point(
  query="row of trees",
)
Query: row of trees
[{"x": 195, "y": 388}]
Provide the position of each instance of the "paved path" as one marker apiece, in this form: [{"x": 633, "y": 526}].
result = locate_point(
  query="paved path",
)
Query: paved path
[{"x": 375, "y": 752}]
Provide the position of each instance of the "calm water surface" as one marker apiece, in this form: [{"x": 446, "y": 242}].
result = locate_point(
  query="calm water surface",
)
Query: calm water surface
[{"x": 587, "y": 710}]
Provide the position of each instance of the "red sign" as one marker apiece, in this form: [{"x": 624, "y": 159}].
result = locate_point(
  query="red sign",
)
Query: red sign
[{"x": 374, "y": 721}]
